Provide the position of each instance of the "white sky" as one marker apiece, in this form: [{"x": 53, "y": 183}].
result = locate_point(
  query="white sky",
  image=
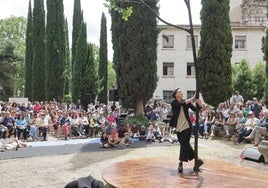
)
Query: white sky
[{"x": 172, "y": 11}]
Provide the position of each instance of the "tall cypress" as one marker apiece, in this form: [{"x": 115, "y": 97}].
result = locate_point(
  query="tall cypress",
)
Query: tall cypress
[
  {"x": 29, "y": 54},
  {"x": 38, "y": 67},
  {"x": 77, "y": 21},
  {"x": 265, "y": 51},
  {"x": 67, "y": 69},
  {"x": 91, "y": 82},
  {"x": 103, "y": 61},
  {"x": 215, "y": 52},
  {"x": 79, "y": 69},
  {"x": 55, "y": 50},
  {"x": 135, "y": 53}
]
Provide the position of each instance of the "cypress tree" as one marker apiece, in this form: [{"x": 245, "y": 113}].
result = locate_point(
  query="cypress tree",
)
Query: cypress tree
[
  {"x": 38, "y": 67},
  {"x": 29, "y": 54},
  {"x": 77, "y": 21},
  {"x": 90, "y": 77},
  {"x": 265, "y": 51},
  {"x": 215, "y": 52},
  {"x": 103, "y": 61},
  {"x": 135, "y": 53},
  {"x": 80, "y": 64},
  {"x": 55, "y": 48},
  {"x": 67, "y": 69}
]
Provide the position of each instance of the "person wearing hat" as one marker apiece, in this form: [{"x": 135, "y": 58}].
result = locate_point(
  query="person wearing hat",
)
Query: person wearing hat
[
  {"x": 251, "y": 122},
  {"x": 180, "y": 120}
]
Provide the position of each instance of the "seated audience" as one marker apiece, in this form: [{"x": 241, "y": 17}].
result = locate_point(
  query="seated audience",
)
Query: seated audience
[
  {"x": 251, "y": 122},
  {"x": 126, "y": 140},
  {"x": 217, "y": 127},
  {"x": 230, "y": 126},
  {"x": 259, "y": 131},
  {"x": 104, "y": 142},
  {"x": 143, "y": 133},
  {"x": 113, "y": 138}
]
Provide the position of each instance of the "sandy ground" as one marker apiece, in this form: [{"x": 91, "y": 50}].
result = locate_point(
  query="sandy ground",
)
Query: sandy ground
[{"x": 57, "y": 171}]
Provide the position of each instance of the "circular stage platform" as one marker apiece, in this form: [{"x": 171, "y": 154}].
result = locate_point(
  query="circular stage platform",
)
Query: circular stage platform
[{"x": 162, "y": 173}]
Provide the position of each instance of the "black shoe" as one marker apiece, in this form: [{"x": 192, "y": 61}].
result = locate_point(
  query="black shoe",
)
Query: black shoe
[
  {"x": 180, "y": 168},
  {"x": 200, "y": 162}
]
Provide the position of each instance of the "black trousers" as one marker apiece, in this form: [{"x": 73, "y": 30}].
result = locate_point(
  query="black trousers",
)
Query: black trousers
[{"x": 186, "y": 150}]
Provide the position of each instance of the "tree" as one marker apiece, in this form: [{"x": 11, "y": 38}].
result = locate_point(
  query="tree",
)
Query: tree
[
  {"x": 265, "y": 52},
  {"x": 135, "y": 53},
  {"x": 103, "y": 61},
  {"x": 39, "y": 59},
  {"x": 68, "y": 66},
  {"x": 80, "y": 63},
  {"x": 29, "y": 54},
  {"x": 12, "y": 44},
  {"x": 214, "y": 57},
  {"x": 244, "y": 83},
  {"x": 77, "y": 21},
  {"x": 259, "y": 80},
  {"x": 8, "y": 71},
  {"x": 55, "y": 50}
]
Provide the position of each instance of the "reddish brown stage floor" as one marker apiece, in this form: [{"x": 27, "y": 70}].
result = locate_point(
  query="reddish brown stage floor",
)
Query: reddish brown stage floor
[{"x": 162, "y": 173}]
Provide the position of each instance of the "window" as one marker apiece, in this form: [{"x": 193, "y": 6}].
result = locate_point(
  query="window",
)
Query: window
[
  {"x": 168, "y": 41},
  {"x": 190, "y": 69},
  {"x": 167, "y": 96},
  {"x": 168, "y": 68},
  {"x": 190, "y": 94},
  {"x": 189, "y": 41},
  {"x": 240, "y": 42}
]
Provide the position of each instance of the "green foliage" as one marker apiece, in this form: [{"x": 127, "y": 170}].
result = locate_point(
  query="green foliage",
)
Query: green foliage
[
  {"x": 8, "y": 72},
  {"x": 79, "y": 66},
  {"x": 39, "y": 59},
  {"x": 67, "y": 99},
  {"x": 265, "y": 51},
  {"x": 244, "y": 82},
  {"x": 215, "y": 52},
  {"x": 135, "y": 53},
  {"x": 12, "y": 50},
  {"x": 103, "y": 61},
  {"x": 29, "y": 54},
  {"x": 77, "y": 21},
  {"x": 140, "y": 120},
  {"x": 259, "y": 80},
  {"x": 55, "y": 50},
  {"x": 111, "y": 76}
]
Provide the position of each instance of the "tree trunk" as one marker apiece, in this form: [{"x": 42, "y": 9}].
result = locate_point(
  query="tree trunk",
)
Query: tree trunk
[{"x": 139, "y": 111}]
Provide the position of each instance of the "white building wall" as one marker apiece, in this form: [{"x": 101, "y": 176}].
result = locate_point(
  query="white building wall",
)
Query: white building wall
[{"x": 180, "y": 55}]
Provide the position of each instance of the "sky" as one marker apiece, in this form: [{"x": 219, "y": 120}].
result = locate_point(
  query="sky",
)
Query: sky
[{"x": 172, "y": 11}]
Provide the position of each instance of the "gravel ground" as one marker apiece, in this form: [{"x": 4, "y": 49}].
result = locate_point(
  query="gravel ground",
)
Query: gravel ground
[{"x": 57, "y": 171}]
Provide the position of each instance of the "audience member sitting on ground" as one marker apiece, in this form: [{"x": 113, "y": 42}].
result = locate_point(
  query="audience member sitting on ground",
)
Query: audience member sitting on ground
[
  {"x": 11, "y": 143},
  {"x": 150, "y": 136},
  {"x": 156, "y": 131},
  {"x": 126, "y": 140},
  {"x": 251, "y": 122},
  {"x": 143, "y": 133},
  {"x": 113, "y": 138},
  {"x": 259, "y": 130},
  {"x": 134, "y": 131},
  {"x": 166, "y": 133},
  {"x": 122, "y": 129},
  {"x": 104, "y": 142}
]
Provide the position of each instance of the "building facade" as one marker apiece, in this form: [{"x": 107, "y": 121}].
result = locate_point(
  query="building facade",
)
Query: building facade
[{"x": 175, "y": 65}]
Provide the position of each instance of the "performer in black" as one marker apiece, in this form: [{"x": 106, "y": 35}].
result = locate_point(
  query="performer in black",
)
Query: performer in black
[{"x": 181, "y": 121}]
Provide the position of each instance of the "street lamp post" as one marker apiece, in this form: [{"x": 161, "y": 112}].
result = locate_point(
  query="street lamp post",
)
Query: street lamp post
[{"x": 191, "y": 32}]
